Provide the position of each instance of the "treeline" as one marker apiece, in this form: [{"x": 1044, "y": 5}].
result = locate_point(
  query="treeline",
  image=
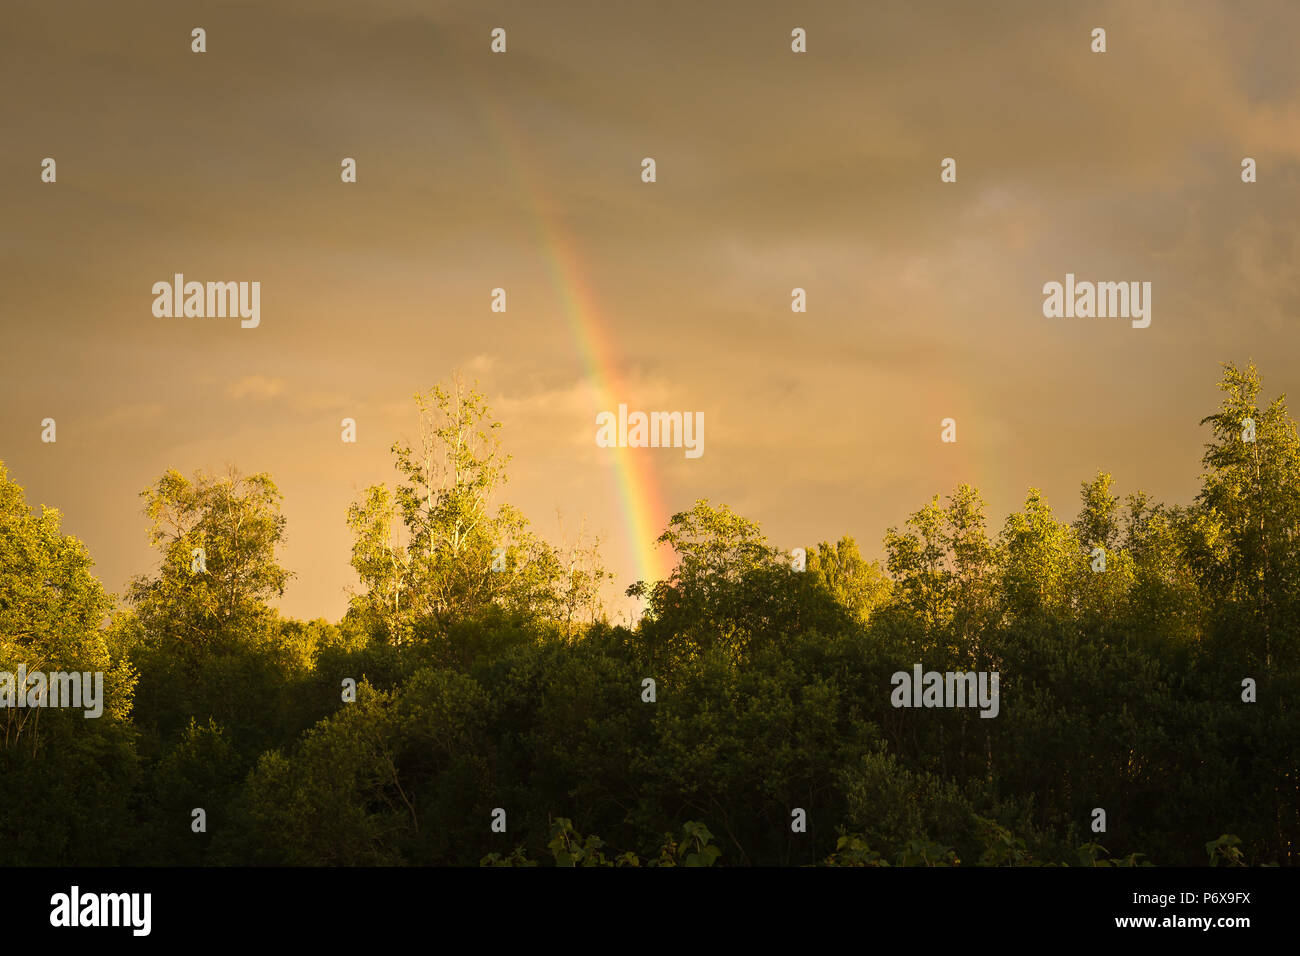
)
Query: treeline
[{"x": 1147, "y": 657}]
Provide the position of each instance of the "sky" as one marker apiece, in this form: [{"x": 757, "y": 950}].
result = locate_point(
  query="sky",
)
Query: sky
[{"x": 775, "y": 170}]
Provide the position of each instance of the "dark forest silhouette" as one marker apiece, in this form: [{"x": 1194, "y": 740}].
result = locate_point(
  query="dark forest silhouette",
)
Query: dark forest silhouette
[{"x": 488, "y": 677}]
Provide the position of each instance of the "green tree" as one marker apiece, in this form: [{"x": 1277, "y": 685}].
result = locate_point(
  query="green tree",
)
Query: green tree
[
  {"x": 856, "y": 585},
  {"x": 433, "y": 551},
  {"x": 67, "y": 779}
]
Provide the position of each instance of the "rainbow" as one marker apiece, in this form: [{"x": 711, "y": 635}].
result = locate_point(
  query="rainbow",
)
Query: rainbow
[{"x": 644, "y": 512}]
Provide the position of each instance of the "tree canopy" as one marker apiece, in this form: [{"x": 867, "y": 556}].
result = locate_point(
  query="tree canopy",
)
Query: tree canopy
[{"x": 477, "y": 706}]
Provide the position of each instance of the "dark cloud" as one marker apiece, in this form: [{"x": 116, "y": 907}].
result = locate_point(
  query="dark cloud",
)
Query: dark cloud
[{"x": 775, "y": 171}]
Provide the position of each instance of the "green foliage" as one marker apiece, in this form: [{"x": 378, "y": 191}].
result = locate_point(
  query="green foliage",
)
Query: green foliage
[
  {"x": 570, "y": 848},
  {"x": 480, "y": 689},
  {"x": 68, "y": 781},
  {"x": 693, "y": 848},
  {"x": 854, "y": 851},
  {"x": 1225, "y": 851},
  {"x": 852, "y": 583},
  {"x": 1094, "y": 854},
  {"x": 432, "y": 551}
]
